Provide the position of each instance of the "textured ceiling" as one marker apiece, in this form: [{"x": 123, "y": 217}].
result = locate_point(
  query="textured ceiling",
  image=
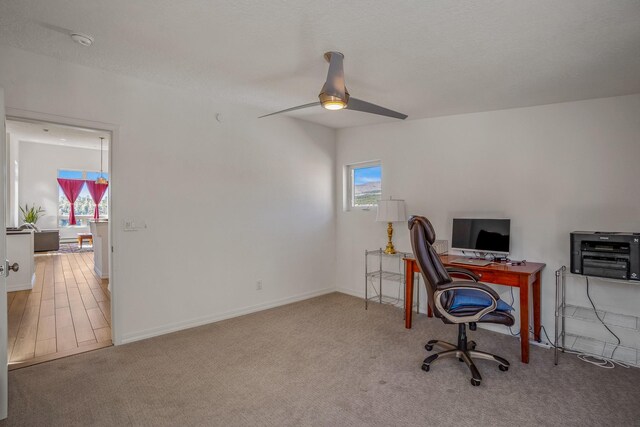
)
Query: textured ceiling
[
  {"x": 57, "y": 134},
  {"x": 423, "y": 58}
]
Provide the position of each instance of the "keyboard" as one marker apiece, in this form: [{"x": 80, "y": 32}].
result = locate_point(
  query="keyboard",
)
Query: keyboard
[{"x": 471, "y": 261}]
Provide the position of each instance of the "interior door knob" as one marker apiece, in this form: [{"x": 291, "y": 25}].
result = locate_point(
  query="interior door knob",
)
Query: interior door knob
[{"x": 14, "y": 267}]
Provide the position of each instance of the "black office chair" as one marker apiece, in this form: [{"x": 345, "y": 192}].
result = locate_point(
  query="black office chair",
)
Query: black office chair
[{"x": 459, "y": 301}]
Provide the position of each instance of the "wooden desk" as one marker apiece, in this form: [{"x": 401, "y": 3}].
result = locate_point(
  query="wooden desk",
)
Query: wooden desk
[{"x": 524, "y": 277}]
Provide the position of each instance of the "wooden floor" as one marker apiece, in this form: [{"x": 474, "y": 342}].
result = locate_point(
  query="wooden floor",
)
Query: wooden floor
[{"x": 68, "y": 311}]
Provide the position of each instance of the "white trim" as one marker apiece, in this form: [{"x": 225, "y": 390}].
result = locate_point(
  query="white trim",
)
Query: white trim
[
  {"x": 359, "y": 294},
  {"x": 22, "y": 287},
  {"x": 99, "y": 272},
  {"x": 199, "y": 321},
  {"x": 4, "y": 323}
]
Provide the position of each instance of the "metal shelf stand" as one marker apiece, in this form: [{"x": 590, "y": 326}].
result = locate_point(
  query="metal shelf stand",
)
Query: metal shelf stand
[
  {"x": 565, "y": 341},
  {"x": 382, "y": 275}
]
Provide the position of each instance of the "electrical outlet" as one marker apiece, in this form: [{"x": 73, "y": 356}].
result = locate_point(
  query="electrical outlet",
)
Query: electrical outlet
[{"x": 259, "y": 285}]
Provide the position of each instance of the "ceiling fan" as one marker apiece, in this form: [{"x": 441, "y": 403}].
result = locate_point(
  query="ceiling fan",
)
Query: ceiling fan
[{"x": 334, "y": 94}]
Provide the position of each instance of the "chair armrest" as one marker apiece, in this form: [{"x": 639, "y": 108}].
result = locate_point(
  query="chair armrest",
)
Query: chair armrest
[
  {"x": 465, "y": 285},
  {"x": 472, "y": 285},
  {"x": 463, "y": 272}
]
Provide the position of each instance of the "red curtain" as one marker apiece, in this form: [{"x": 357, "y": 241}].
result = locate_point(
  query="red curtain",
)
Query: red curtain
[
  {"x": 97, "y": 193},
  {"x": 71, "y": 189}
]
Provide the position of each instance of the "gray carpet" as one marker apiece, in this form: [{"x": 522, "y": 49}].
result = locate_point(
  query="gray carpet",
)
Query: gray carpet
[{"x": 325, "y": 362}]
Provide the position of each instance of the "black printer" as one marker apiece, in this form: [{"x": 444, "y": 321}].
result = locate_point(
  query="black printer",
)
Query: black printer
[{"x": 612, "y": 255}]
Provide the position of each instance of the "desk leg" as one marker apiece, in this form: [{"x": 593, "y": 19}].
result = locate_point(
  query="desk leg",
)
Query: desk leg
[
  {"x": 524, "y": 318},
  {"x": 536, "y": 307},
  {"x": 408, "y": 293}
]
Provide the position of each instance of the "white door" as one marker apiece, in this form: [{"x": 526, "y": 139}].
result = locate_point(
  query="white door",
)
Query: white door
[{"x": 3, "y": 256}]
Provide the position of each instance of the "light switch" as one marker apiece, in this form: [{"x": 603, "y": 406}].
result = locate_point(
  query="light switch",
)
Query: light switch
[
  {"x": 129, "y": 225},
  {"x": 133, "y": 224}
]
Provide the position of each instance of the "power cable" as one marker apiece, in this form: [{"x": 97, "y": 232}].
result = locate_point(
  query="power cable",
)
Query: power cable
[{"x": 602, "y": 321}]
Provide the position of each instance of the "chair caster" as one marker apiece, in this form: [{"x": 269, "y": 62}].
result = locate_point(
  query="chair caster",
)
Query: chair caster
[
  {"x": 425, "y": 367},
  {"x": 503, "y": 368},
  {"x": 429, "y": 345},
  {"x": 471, "y": 345},
  {"x": 475, "y": 382}
]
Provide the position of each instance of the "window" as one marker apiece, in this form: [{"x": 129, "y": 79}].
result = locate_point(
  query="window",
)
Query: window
[
  {"x": 364, "y": 185},
  {"x": 84, "y": 203}
]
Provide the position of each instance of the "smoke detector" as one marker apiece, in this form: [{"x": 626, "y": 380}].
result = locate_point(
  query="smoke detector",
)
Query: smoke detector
[{"x": 83, "y": 39}]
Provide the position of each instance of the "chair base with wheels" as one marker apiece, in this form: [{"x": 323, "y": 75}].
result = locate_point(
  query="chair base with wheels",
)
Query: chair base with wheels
[{"x": 465, "y": 352}]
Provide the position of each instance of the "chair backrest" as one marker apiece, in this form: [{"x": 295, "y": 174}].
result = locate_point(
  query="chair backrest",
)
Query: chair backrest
[{"x": 433, "y": 271}]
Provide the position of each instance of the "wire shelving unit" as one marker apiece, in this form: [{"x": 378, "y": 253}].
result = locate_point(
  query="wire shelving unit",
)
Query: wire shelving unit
[{"x": 568, "y": 341}]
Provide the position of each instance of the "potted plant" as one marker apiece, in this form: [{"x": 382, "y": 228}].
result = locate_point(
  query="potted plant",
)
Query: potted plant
[{"x": 31, "y": 215}]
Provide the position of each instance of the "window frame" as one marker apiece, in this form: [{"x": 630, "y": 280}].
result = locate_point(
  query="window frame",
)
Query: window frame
[
  {"x": 349, "y": 184},
  {"x": 84, "y": 218}
]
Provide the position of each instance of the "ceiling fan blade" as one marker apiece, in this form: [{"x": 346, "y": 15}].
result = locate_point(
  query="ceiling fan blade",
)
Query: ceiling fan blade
[
  {"x": 334, "y": 86},
  {"x": 367, "y": 107},
  {"x": 299, "y": 107}
]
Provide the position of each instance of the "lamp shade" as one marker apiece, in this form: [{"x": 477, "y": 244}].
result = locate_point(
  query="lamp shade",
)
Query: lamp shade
[{"x": 391, "y": 211}]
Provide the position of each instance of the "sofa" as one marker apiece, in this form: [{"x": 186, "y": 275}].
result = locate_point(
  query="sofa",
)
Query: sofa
[{"x": 46, "y": 240}]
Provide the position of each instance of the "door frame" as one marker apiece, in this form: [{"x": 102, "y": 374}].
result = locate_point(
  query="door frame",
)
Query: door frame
[
  {"x": 26, "y": 115},
  {"x": 4, "y": 310}
]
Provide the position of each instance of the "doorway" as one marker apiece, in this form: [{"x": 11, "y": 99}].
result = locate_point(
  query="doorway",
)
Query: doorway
[{"x": 58, "y": 230}]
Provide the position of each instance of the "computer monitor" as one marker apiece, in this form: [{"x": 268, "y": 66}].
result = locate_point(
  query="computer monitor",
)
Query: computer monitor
[{"x": 481, "y": 235}]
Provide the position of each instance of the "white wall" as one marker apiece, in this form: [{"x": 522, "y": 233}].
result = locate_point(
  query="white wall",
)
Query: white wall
[
  {"x": 225, "y": 204},
  {"x": 38, "y": 166},
  {"x": 552, "y": 169}
]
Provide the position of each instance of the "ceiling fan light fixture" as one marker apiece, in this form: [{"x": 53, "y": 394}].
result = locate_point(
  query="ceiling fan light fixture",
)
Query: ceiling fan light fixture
[
  {"x": 331, "y": 102},
  {"x": 334, "y": 105}
]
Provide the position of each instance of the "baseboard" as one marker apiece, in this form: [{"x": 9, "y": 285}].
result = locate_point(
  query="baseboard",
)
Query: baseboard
[
  {"x": 19, "y": 287},
  {"x": 99, "y": 273},
  {"x": 23, "y": 286},
  {"x": 192, "y": 323},
  {"x": 359, "y": 294}
]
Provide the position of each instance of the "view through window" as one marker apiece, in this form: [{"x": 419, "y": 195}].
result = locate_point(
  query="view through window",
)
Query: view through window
[
  {"x": 366, "y": 185},
  {"x": 84, "y": 203}
]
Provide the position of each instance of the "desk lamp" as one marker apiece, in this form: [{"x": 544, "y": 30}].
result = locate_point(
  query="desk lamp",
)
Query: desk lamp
[{"x": 391, "y": 211}]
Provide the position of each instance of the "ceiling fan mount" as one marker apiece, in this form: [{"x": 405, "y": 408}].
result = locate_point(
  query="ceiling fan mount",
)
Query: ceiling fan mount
[
  {"x": 334, "y": 94},
  {"x": 327, "y": 55}
]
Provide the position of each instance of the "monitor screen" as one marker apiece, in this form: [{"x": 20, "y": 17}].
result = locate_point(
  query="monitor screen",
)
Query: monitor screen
[{"x": 483, "y": 235}]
